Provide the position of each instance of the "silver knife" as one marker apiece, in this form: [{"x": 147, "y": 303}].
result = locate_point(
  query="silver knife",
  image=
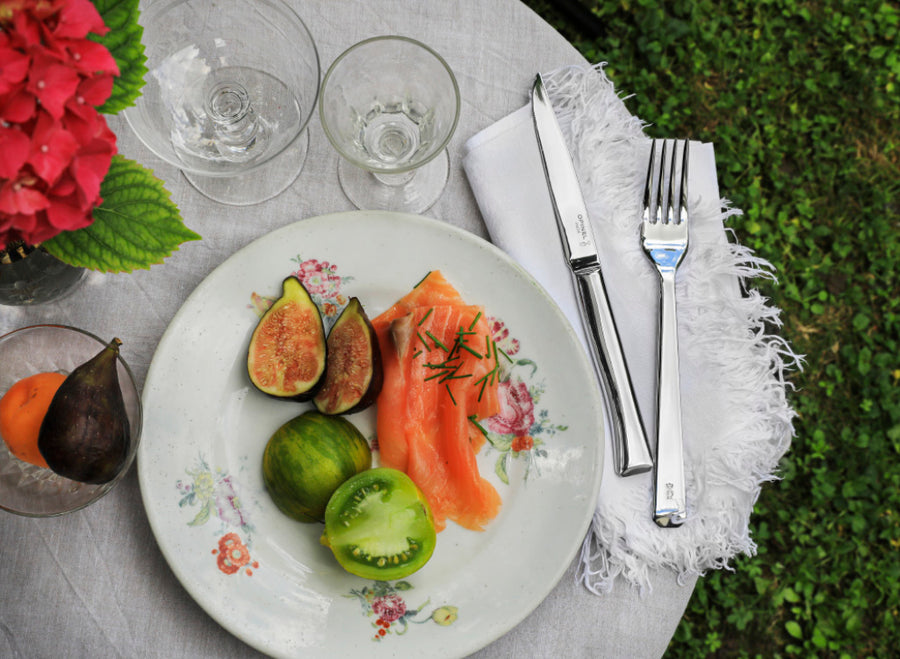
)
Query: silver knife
[{"x": 631, "y": 451}]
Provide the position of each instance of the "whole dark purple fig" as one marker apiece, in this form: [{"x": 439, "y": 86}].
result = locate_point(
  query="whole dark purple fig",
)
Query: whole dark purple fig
[{"x": 85, "y": 434}]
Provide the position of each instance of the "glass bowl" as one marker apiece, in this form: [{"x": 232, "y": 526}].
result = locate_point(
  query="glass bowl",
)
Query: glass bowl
[{"x": 26, "y": 489}]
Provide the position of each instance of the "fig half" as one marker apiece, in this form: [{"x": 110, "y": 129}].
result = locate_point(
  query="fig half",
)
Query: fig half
[
  {"x": 287, "y": 353},
  {"x": 354, "y": 375}
]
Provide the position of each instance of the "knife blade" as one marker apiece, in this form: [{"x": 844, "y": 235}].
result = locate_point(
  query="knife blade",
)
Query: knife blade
[{"x": 631, "y": 450}]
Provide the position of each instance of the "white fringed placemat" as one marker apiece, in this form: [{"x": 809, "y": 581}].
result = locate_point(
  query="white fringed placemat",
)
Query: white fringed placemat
[{"x": 737, "y": 422}]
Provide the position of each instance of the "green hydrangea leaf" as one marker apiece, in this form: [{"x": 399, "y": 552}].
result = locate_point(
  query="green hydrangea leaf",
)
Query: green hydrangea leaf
[
  {"x": 136, "y": 226},
  {"x": 124, "y": 43}
]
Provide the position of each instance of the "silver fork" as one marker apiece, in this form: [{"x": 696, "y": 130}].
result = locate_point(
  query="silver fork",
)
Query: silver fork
[{"x": 664, "y": 235}]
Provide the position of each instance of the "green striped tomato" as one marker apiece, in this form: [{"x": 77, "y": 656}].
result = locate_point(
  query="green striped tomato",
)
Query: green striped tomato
[{"x": 308, "y": 458}]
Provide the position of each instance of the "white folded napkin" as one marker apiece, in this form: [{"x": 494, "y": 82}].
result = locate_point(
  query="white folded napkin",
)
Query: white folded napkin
[{"x": 737, "y": 422}]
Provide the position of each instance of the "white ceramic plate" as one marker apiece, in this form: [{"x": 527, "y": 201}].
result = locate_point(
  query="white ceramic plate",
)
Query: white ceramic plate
[{"x": 266, "y": 578}]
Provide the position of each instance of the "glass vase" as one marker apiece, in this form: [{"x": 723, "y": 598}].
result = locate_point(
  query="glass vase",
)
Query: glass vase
[{"x": 33, "y": 276}]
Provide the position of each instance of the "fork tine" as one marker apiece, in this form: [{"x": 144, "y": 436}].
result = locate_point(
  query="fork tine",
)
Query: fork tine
[
  {"x": 651, "y": 187},
  {"x": 679, "y": 174},
  {"x": 685, "y": 172},
  {"x": 666, "y": 167}
]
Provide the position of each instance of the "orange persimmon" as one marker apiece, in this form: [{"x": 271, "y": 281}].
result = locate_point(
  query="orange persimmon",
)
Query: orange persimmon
[{"x": 22, "y": 410}]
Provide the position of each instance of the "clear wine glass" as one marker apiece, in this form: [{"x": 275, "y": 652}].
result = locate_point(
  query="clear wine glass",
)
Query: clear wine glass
[
  {"x": 230, "y": 88},
  {"x": 390, "y": 105}
]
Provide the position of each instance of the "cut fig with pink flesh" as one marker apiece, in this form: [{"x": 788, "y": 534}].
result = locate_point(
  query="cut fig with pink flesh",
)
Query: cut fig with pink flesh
[
  {"x": 354, "y": 374},
  {"x": 288, "y": 349}
]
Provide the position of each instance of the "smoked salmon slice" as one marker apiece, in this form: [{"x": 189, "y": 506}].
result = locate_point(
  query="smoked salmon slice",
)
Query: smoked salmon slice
[
  {"x": 433, "y": 289},
  {"x": 440, "y": 368}
]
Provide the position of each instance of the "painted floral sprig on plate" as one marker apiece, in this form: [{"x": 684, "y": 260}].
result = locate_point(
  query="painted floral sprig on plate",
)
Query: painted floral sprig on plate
[
  {"x": 216, "y": 494},
  {"x": 385, "y": 602}
]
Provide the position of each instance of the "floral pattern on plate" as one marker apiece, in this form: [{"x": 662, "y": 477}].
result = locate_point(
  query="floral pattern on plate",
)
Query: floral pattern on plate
[
  {"x": 519, "y": 431},
  {"x": 385, "y": 602},
  {"x": 215, "y": 492},
  {"x": 322, "y": 282}
]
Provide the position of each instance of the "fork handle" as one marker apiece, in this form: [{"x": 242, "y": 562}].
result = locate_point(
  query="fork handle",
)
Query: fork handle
[
  {"x": 669, "y": 498},
  {"x": 631, "y": 450}
]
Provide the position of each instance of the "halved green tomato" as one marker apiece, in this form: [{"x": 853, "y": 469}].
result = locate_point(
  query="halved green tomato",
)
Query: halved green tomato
[{"x": 379, "y": 526}]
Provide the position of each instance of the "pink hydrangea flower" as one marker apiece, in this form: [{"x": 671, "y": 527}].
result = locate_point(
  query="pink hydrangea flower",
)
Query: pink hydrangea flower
[{"x": 56, "y": 147}]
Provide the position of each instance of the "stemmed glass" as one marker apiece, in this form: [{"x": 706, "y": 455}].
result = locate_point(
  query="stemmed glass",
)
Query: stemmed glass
[
  {"x": 230, "y": 88},
  {"x": 390, "y": 105}
]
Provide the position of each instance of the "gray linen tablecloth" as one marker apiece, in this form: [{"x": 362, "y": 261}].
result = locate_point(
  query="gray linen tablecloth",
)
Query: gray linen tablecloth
[{"x": 94, "y": 583}]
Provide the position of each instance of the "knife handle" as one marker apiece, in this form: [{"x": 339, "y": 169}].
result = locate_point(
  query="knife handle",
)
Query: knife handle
[{"x": 631, "y": 451}]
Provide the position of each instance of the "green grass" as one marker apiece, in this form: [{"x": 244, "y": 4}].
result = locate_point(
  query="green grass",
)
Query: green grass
[{"x": 802, "y": 101}]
